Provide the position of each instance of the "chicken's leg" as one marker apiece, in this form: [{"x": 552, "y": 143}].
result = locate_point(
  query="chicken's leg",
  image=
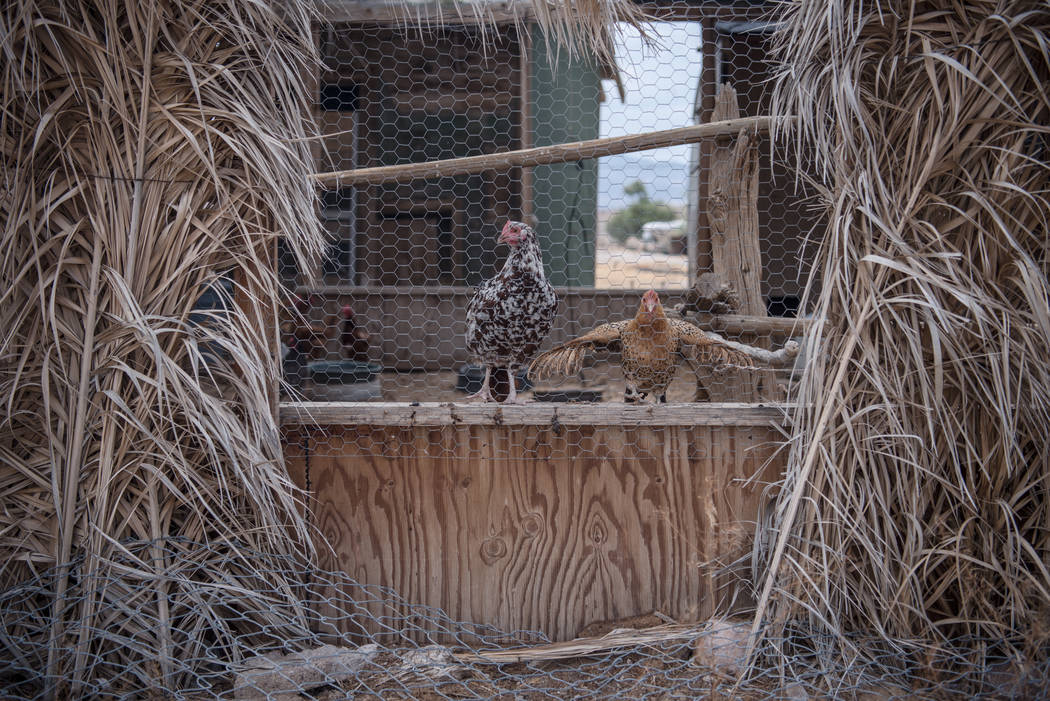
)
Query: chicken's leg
[
  {"x": 631, "y": 395},
  {"x": 512, "y": 396},
  {"x": 484, "y": 394}
]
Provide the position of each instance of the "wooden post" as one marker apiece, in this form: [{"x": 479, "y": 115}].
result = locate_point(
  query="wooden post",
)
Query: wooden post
[
  {"x": 525, "y": 124},
  {"x": 708, "y": 82},
  {"x": 732, "y": 210}
]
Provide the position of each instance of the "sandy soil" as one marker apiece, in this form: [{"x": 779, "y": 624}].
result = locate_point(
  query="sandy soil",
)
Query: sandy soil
[{"x": 625, "y": 268}]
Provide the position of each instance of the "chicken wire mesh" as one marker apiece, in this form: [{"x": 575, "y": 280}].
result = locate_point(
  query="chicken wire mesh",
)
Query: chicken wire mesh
[
  {"x": 229, "y": 634},
  {"x": 390, "y": 317},
  {"x": 572, "y": 509},
  {"x": 556, "y": 523},
  {"x": 566, "y": 513}
]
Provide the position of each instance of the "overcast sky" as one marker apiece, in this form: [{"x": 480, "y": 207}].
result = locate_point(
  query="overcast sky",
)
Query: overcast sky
[{"x": 660, "y": 84}]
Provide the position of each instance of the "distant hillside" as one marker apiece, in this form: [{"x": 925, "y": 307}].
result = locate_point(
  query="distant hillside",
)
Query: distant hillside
[{"x": 665, "y": 180}]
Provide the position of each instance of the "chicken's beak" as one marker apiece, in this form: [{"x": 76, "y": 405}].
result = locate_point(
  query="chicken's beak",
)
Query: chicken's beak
[
  {"x": 650, "y": 300},
  {"x": 509, "y": 237}
]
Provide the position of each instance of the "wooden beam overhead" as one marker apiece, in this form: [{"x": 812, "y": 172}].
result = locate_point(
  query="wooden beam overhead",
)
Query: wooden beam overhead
[
  {"x": 545, "y": 155},
  {"x": 676, "y": 11}
]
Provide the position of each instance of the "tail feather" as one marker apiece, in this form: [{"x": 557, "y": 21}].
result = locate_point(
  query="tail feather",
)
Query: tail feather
[{"x": 563, "y": 360}]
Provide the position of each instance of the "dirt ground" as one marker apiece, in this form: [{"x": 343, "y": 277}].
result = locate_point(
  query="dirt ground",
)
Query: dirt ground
[
  {"x": 663, "y": 671},
  {"x": 620, "y": 267}
]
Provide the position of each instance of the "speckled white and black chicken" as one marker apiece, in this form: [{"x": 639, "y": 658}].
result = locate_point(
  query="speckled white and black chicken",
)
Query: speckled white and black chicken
[{"x": 512, "y": 312}]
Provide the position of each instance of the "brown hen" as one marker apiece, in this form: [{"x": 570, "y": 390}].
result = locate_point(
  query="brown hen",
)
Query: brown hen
[{"x": 650, "y": 345}]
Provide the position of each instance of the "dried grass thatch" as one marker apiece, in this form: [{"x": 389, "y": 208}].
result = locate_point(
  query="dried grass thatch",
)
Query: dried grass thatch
[
  {"x": 151, "y": 151},
  {"x": 916, "y": 505},
  {"x": 584, "y": 28}
]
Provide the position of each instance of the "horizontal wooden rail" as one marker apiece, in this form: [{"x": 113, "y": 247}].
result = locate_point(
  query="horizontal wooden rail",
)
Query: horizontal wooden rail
[
  {"x": 544, "y": 155},
  {"x": 759, "y": 325},
  {"x": 538, "y": 414},
  {"x": 777, "y": 326},
  {"x": 436, "y": 14}
]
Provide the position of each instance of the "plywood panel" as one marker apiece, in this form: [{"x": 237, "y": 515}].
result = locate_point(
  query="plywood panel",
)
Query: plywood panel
[{"x": 540, "y": 528}]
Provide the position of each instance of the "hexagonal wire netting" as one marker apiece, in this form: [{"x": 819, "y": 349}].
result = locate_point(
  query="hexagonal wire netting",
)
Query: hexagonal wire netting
[
  {"x": 334, "y": 638},
  {"x": 574, "y": 513},
  {"x": 574, "y": 546},
  {"x": 716, "y": 227},
  {"x": 389, "y": 319}
]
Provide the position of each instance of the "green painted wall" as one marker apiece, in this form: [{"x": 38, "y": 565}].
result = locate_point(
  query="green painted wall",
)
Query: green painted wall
[{"x": 565, "y": 101}]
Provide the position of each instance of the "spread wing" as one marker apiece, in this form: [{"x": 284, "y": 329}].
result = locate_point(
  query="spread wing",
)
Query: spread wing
[
  {"x": 707, "y": 349},
  {"x": 567, "y": 358}
]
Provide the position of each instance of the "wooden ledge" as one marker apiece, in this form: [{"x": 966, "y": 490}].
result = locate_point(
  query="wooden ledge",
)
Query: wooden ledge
[{"x": 534, "y": 414}]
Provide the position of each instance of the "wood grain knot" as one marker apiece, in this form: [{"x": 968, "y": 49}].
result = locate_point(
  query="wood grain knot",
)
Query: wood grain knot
[
  {"x": 531, "y": 525},
  {"x": 598, "y": 532},
  {"x": 493, "y": 549},
  {"x": 718, "y": 211}
]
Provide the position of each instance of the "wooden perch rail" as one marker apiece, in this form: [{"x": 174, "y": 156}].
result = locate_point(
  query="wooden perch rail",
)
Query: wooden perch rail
[
  {"x": 781, "y": 358},
  {"x": 545, "y": 155},
  {"x": 743, "y": 323},
  {"x": 538, "y": 414}
]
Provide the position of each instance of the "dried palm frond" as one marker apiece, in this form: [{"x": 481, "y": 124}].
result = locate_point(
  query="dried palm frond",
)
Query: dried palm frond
[
  {"x": 917, "y": 498},
  {"x": 585, "y": 29},
  {"x": 588, "y": 27},
  {"x": 152, "y": 152}
]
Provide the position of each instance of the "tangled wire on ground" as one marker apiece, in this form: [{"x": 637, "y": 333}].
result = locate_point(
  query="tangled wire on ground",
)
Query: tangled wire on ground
[{"x": 351, "y": 640}]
